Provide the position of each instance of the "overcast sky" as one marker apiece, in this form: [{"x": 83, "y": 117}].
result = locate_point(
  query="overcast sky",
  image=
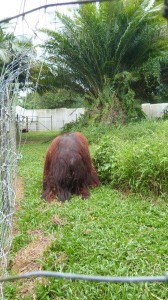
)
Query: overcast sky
[{"x": 32, "y": 22}]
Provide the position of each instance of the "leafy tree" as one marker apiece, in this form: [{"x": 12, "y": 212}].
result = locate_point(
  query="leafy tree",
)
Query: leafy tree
[
  {"x": 53, "y": 99},
  {"x": 121, "y": 44},
  {"x": 102, "y": 41},
  {"x": 50, "y": 91},
  {"x": 49, "y": 79}
]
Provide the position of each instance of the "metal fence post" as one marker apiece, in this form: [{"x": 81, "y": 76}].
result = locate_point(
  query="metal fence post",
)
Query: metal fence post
[{"x": 51, "y": 123}]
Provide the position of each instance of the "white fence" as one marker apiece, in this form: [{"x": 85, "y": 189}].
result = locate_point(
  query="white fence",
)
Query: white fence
[
  {"x": 155, "y": 110},
  {"x": 46, "y": 119},
  {"x": 55, "y": 119}
]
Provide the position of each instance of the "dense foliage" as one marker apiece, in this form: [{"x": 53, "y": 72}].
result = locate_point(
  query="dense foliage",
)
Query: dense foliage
[
  {"x": 51, "y": 100},
  {"x": 119, "y": 45},
  {"x": 137, "y": 161}
]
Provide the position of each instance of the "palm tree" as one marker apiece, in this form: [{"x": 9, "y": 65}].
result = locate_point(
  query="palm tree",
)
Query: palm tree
[{"x": 104, "y": 41}]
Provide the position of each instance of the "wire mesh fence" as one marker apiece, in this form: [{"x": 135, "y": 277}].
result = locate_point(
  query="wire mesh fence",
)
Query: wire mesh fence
[
  {"x": 8, "y": 158},
  {"x": 9, "y": 89},
  {"x": 14, "y": 80}
]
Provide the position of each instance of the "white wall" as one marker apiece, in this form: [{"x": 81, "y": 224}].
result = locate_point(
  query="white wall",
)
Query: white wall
[
  {"x": 154, "y": 110},
  {"x": 47, "y": 119},
  {"x": 55, "y": 119}
]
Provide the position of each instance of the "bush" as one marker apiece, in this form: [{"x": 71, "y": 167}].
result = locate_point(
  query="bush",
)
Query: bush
[
  {"x": 92, "y": 131},
  {"x": 139, "y": 164}
]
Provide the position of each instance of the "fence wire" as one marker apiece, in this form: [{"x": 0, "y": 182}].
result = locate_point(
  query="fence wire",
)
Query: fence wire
[
  {"x": 9, "y": 89},
  {"x": 72, "y": 276}
]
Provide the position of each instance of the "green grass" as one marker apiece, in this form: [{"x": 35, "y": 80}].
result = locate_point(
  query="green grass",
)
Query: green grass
[{"x": 111, "y": 233}]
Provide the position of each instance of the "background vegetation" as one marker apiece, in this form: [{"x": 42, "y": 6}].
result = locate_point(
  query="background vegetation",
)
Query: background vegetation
[
  {"x": 114, "y": 55},
  {"x": 109, "y": 58}
]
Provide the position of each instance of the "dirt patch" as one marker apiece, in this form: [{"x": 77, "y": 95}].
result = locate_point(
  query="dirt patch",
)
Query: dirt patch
[
  {"x": 28, "y": 260},
  {"x": 28, "y": 288},
  {"x": 19, "y": 192},
  {"x": 61, "y": 258},
  {"x": 19, "y": 196},
  {"x": 57, "y": 220}
]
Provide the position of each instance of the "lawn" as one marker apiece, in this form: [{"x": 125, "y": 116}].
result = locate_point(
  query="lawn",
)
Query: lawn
[{"x": 112, "y": 233}]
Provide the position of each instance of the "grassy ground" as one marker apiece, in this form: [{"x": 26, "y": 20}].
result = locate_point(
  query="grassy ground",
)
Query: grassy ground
[{"x": 111, "y": 233}]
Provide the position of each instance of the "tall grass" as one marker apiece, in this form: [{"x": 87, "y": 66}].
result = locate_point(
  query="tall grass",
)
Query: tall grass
[{"x": 135, "y": 158}]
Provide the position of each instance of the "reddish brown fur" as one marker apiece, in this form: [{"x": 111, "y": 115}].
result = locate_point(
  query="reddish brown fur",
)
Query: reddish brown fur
[{"x": 68, "y": 168}]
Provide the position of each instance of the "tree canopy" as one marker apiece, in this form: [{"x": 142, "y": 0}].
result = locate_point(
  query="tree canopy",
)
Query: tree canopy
[{"x": 102, "y": 41}]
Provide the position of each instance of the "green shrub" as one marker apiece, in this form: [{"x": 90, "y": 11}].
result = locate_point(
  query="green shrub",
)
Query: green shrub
[
  {"x": 139, "y": 164},
  {"x": 93, "y": 132}
]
